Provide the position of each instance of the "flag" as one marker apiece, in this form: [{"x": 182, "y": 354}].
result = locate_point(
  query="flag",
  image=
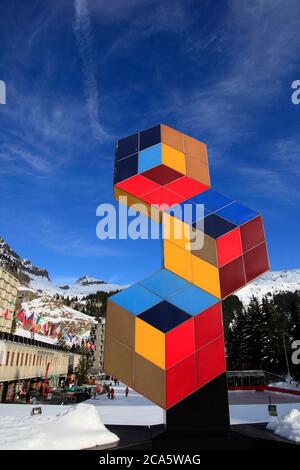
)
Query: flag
[
  {"x": 30, "y": 320},
  {"x": 38, "y": 319},
  {"x": 52, "y": 329},
  {"x": 6, "y": 314},
  {"x": 58, "y": 332},
  {"x": 22, "y": 317},
  {"x": 45, "y": 328}
]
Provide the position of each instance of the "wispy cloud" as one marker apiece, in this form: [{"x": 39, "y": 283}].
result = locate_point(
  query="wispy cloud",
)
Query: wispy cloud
[{"x": 83, "y": 32}]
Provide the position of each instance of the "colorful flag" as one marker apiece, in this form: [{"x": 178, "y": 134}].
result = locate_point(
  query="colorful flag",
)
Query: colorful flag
[
  {"x": 45, "y": 328},
  {"x": 52, "y": 329},
  {"x": 6, "y": 314},
  {"x": 30, "y": 320},
  {"x": 38, "y": 319},
  {"x": 21, "y": 315}
]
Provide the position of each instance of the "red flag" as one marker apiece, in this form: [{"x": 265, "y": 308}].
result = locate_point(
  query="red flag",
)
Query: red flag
[
  {"x": 22, "y": 317},
  {"x": 58, "y": 333},
  {"x": 6, "y": 314},
  {"x": 45, "y": 329},
  {"x": 52, "y": 329}
]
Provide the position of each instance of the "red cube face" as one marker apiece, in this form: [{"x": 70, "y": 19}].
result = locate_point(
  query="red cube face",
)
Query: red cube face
[
  {"x": 186, "y": 187},
  {"x": 229, "y": 247},
  {"x": 180, "y": 343},
  {"x": 180, "y": 381},
  {"x": 137, "y": 185},
  {"x": 162, "y": 196},
  {"x": 232, "y": 277},
  {"x": 252, "y": 233},
  {"x": 256, "y": 262},
  {"x": 208, "y": 325},
  {"x": 210, "y": 361}
]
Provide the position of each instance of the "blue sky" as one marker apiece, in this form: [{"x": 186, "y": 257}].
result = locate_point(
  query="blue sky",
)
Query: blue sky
[{"x": 81, "y": 74}]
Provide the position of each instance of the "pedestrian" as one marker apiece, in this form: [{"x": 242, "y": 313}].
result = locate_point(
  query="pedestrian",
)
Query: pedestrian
[
  {"x": 112, "y": 393},
  {"x": 115, "y": 381},
  {"x": 126, "y": 392}
]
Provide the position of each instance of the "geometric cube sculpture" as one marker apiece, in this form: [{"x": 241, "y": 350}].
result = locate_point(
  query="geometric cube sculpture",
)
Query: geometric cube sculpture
[{"x": 164, "y": 335}]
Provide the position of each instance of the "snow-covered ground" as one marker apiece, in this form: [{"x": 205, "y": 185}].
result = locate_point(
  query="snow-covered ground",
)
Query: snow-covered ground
[
  {"x": 15, "y": 420},
  {"x": 287, "y": 426},
  {"x": 72, "y": 428}
]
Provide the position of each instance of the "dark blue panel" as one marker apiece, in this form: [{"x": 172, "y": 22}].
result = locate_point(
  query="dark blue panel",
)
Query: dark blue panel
[
  {"x": 216, "y": 226},
  {"x": 127, "y": 146},
  {"x": 211, "y": 199},
  {"x": 150, "y": 137},
  {"x": 135, "y": 299},
  {"x": 164, "y": 316},
  {"x": 237, "y": 213},
  {"x": 126, "y": 168}
]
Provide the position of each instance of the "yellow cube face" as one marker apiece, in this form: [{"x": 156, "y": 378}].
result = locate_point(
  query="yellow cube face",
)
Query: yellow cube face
[
  {"x": 176, "y": 231},
  {"x": 206, "y": 276},
  {"x": 177, "y": 260},
  {"x": 173, "y": 158},
  {"x": 150, "y": 343}
]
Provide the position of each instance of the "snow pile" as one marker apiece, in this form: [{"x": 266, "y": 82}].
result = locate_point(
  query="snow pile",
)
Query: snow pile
[
  {"x": 78, "y": 427},
  {"x": 288, "y": 426}
]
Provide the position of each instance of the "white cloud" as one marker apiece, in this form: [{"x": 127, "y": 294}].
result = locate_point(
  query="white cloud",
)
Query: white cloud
[{"x": 83, "y": 32}]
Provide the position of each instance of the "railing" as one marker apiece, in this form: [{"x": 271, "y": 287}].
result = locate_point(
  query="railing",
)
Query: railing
[{"x": 39, "y": 344}]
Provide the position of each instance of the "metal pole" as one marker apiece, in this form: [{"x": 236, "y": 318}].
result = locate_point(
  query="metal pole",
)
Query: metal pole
[{"x": 286, "y": 358}]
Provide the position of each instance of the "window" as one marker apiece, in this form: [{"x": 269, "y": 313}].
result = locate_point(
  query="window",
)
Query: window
[
  {"x": 18, "y": 358},
  {"x": 12, "y": 359},
  {"x": 7, "y": 358},
  {"x": 26, "y": 359},
  {"x": 22, "y": 356}
]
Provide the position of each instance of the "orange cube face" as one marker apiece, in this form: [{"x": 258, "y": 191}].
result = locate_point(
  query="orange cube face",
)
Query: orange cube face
[{"x": 164, "y": 335}]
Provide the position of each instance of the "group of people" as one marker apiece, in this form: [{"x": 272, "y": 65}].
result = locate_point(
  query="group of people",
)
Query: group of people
[{"x": 109, "y": 391}]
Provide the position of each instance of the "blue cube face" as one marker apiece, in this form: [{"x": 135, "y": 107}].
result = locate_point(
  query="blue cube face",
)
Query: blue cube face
[
  {"x": 216, "y": 226},
  {"x": 188, "y": 212},
  {"x": 127, "y": 146},
  {"x": 164, "y": 316},
  {"x": 237, "y": 213},
  {"x": 192, "y": 300},
  {"x": 212, "y": 200},
  {"x": 164, "y": 283},
  {"x": 150, "y": 137},
  {"x": 150, "y": 158},
  {"x": 136, "y": 299}
]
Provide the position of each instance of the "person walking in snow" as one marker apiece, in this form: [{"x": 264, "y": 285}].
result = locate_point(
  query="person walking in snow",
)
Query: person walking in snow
[
  {"x": 126, "y": 391},
  {"x": 112, "y": 393}
]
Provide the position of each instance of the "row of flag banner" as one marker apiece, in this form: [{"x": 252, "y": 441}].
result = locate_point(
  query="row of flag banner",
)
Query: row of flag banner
[{"x": 36, "y": 323}]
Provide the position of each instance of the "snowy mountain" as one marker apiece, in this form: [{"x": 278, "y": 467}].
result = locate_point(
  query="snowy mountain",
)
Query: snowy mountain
[
  {"x": 37, "y": 279},
  {"x": 38, "y": 295},
  {"x": 271, "y": 283}
]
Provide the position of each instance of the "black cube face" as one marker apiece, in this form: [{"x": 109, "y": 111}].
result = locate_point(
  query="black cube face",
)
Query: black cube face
[
  {"x": 216, "y": 226},
  {"x": 126, "y": 168},
  {"x": 127, "y": 146},
  {"x": 150, "y": 137},
  {"x": 164, "y": 316}
]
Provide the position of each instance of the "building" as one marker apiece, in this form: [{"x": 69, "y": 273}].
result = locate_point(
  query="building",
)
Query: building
[
  {"x": 95, "y": 358},
  {"x": 24, "y": 363},
  {"x": 8, "y": 297}
]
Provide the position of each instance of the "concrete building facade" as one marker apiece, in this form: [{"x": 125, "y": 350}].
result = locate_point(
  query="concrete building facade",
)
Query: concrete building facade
[{"x": 8, "y": 297}]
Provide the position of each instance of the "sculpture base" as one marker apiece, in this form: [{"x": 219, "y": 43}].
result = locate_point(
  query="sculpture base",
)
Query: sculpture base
[{"x": 206, "y": 411}]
